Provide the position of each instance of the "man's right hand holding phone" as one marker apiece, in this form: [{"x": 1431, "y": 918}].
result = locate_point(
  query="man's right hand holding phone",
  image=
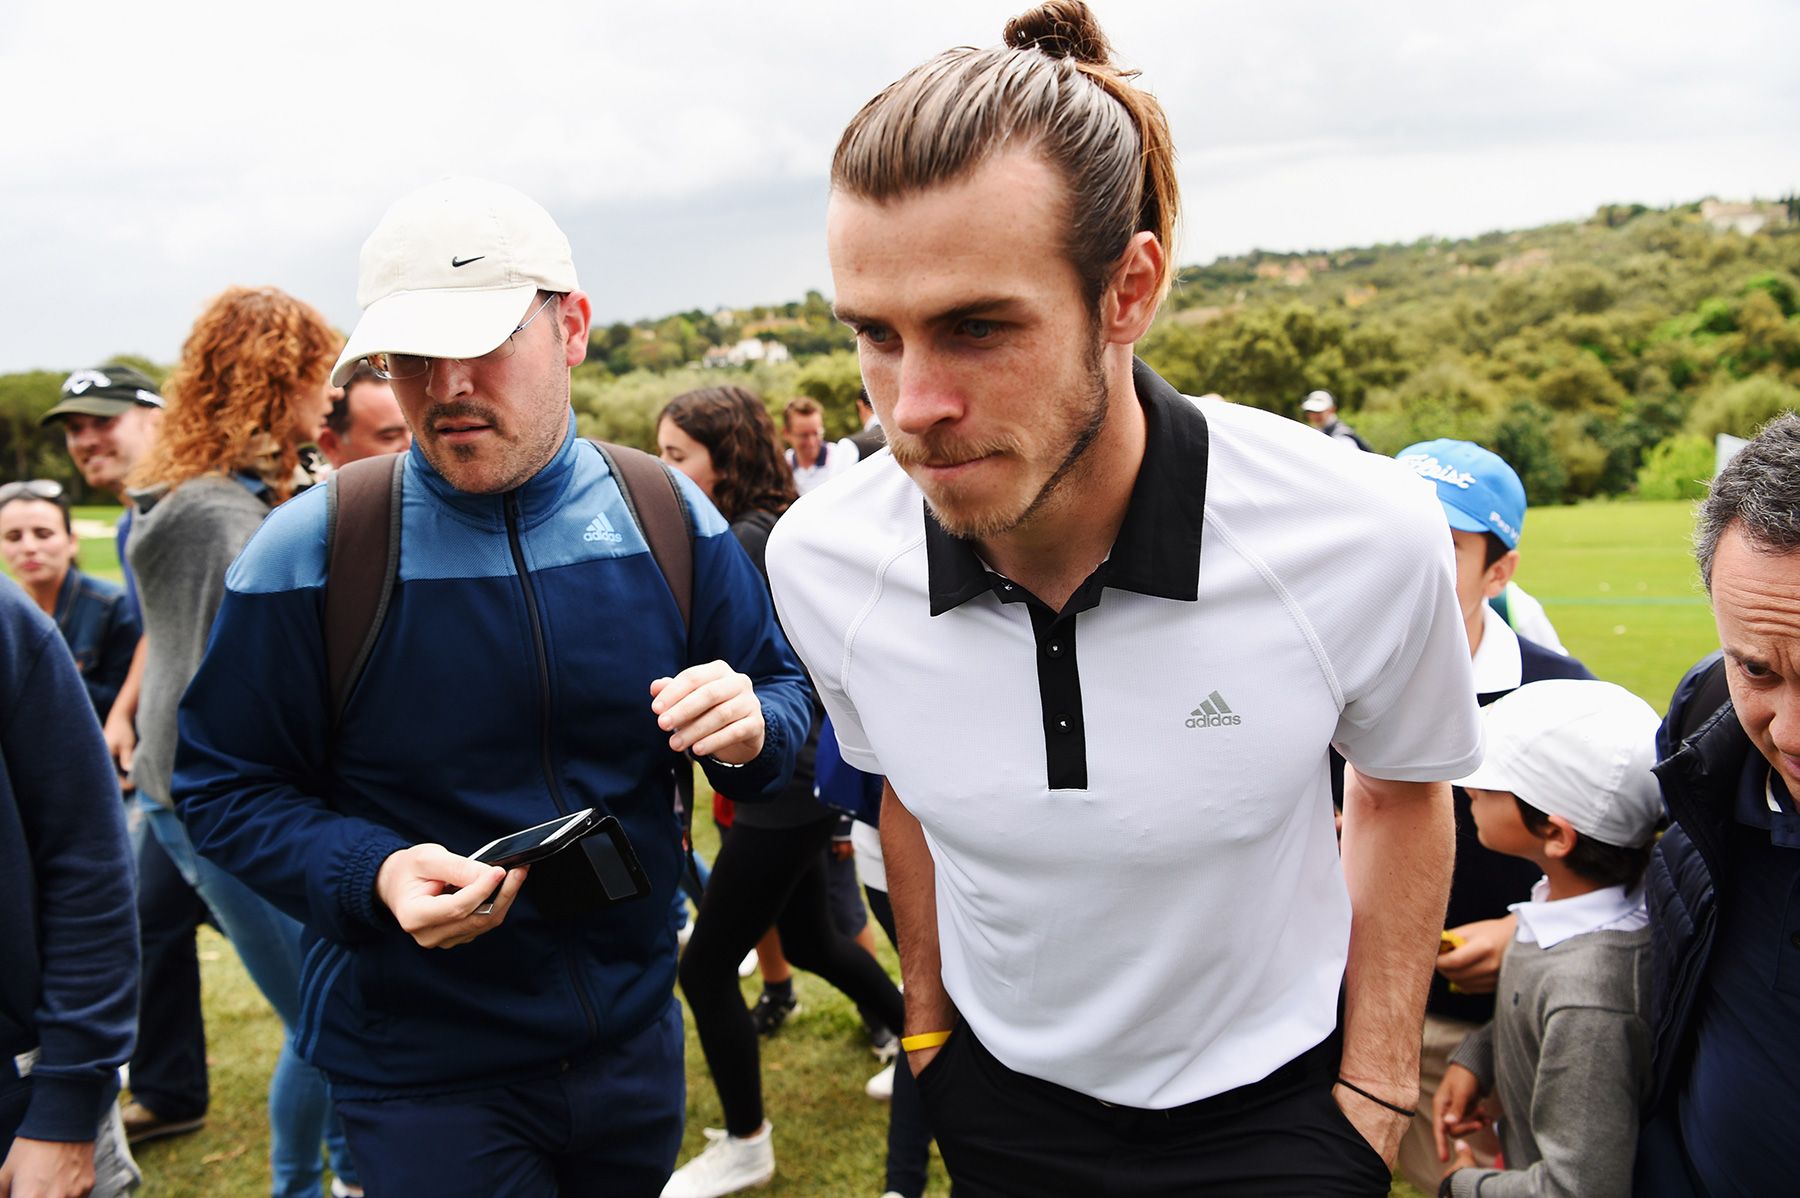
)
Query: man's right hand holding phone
[{"x": 434, "y": 894}]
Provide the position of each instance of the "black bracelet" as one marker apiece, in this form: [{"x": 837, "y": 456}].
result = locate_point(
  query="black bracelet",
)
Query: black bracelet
[{"x": 1394, "y": 1107}]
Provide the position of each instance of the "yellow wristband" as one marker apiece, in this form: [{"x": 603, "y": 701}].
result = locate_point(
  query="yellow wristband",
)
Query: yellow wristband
[{"x": 923, "y": 1040}]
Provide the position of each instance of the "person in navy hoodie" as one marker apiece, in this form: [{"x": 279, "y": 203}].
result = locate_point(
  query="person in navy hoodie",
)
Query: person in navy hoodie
[
  {"x": 482, "y": 1035},
  {"x": 68, "y": 935}
]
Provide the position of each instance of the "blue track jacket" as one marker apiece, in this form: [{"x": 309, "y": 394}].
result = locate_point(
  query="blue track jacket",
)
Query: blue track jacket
[{"x": 510, "y": 683}]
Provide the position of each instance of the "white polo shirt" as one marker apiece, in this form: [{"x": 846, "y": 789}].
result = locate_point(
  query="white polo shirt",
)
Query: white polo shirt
[
  {"x": 1139, "y": 893},
  {"x": 835, "y": 457}
]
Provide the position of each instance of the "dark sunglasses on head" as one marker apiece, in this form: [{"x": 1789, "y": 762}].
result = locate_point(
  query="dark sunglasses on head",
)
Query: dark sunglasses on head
[{"x": 31, "y": 488}]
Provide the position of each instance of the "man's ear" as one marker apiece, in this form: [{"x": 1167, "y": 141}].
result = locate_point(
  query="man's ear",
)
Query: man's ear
[
  {"x": 1130, "y": 301},
  {"x": 329, "y": 444},
  {"x": 1500, "y": 573},
  {"x": 576, "y": 315}
]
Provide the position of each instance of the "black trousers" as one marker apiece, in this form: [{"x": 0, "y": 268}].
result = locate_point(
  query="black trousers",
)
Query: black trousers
[
  {"x": 1002, "y": 1133},
  {"x": 762, "y": 878},
  {"x": 168, "y": 1067}
]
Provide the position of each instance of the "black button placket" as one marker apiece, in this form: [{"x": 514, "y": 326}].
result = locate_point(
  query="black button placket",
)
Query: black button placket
[{"x": 1059, "y": 688}]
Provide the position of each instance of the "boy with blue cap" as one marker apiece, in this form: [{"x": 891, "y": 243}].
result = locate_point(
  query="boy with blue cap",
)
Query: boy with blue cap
[
  {"x": 1565, "y": 786},
  {"x": 1484, "y": 505}
]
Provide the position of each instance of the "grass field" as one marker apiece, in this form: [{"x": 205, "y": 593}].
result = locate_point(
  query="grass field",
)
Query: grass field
[{"x": 1617, "y": 580}]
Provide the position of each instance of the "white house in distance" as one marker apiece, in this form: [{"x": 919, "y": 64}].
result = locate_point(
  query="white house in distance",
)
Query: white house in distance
[
  {"x": 1745, "y": 218},
  {"x": 746, "y": 352}
]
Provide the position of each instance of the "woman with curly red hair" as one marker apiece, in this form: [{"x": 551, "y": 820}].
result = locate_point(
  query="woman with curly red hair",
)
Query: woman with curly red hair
[{"x": 249, "y": 391}]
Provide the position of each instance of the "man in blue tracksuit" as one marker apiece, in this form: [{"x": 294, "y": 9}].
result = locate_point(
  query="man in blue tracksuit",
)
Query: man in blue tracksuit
[{"x": 531, "y": 662}]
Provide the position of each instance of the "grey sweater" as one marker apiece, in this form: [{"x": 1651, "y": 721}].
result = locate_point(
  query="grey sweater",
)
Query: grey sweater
[
  {"x": 1568, "y": 1055},
  {"x": 181, "y": 544}
]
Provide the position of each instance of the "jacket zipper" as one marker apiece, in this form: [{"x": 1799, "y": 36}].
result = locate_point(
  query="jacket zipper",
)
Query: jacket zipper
[{"x": 546, "y": 761}]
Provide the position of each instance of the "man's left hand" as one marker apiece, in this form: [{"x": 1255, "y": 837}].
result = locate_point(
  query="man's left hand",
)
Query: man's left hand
[
  {"x": 47, "y": 1169},
  {"x": 712, "y": 711},
  {"x": 1382, "y": 1128}
]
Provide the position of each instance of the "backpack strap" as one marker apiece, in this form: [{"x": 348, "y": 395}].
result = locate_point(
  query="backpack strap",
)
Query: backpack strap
[
  {"x": 657, "y": 506},
  {"x": 1710, "y": 693},
  {"x": 362, "y": 537}
]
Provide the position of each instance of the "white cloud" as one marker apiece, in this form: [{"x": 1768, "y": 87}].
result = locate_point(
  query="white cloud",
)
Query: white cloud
[{"x": 154, "y": 155}]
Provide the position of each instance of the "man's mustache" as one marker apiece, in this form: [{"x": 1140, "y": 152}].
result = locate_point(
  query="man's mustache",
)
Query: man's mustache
[{"x": 946, "y": 451}]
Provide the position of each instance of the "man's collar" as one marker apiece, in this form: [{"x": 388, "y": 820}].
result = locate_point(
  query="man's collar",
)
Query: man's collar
[{"x": 1157, "y": 550}]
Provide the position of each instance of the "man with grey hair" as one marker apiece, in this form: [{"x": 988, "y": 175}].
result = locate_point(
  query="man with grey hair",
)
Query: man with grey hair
[{"x": 1724, "y": 884}]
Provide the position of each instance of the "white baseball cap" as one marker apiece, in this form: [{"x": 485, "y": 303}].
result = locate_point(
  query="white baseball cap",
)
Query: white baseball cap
[
  {"x": 1576, "y": 748},
  {"x": 450, "y": 271},
  {"x": 1318, "y": 401}
]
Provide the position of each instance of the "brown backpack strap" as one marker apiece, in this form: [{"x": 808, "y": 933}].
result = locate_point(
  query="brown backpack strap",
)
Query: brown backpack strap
[
  {"x": 661, "y": 513},
  {"x": 362, "y": 532}
]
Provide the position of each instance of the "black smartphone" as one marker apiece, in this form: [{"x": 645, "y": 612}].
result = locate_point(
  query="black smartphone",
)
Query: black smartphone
[{"x": 538, "y": 842}]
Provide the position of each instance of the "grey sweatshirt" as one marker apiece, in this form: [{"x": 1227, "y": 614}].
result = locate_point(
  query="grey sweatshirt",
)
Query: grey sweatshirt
[
  {"x": 1568, "y": 1055},
  {"x": 181, "y": 544}
]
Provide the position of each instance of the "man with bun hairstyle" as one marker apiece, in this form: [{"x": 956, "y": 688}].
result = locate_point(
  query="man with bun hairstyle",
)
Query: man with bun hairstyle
[{"x": 1100, "y": 638}]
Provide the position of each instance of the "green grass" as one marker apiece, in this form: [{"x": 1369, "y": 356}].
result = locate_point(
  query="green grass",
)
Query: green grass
[{"x": 1617, "y": 580}]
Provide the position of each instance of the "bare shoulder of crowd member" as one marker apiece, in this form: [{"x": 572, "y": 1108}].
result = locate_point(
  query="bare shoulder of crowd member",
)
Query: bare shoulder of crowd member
[{"x": 1000, "y": 230}]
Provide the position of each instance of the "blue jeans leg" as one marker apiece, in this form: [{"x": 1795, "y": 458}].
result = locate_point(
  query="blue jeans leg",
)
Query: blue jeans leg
[{"x": 268, "y": 942}]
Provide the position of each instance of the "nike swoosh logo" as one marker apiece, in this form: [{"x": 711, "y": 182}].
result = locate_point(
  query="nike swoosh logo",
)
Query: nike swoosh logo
[{"x": 466, "y": 261}]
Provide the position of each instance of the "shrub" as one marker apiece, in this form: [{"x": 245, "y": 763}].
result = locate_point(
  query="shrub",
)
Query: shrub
[{"x": 1678, "y": 468}]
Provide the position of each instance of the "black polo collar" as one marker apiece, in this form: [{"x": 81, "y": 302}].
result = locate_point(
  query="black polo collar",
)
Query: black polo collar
[{"x": 1157, "y": 551}]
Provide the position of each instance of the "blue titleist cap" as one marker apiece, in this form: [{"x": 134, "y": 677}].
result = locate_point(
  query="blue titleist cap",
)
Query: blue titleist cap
[{"x": 1479, "y": 491}]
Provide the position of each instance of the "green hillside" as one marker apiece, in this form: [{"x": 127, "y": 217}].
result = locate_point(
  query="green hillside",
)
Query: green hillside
[{"x": 1599, "y": 357}]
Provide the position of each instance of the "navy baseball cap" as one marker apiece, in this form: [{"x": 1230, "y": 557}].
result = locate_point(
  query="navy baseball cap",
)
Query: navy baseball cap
[{"x": 1479, "y": 491}]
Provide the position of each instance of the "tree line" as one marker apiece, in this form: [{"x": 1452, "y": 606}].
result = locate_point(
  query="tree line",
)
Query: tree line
[{"x": 1600, "y": 357}]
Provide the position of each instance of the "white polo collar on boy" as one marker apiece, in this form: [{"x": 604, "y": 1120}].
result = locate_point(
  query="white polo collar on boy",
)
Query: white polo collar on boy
[{"x": 1547, "y": 924}]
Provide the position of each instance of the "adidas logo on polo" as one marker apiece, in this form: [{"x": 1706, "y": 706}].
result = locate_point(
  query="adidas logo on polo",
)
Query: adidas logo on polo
[
  {"x": 601, "y": 529},
  {"x": 1213, "y": 713}
]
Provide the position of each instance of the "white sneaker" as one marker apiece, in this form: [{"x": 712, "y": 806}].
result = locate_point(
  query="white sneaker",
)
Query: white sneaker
[
  {"x": 881, "y": 1086},
  {"x": 747, "y": 966},
  {"x": 726, "y": 1166}
]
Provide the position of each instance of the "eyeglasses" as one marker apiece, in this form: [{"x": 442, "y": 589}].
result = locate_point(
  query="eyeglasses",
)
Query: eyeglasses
[
  {"x": 412, "y": 366},
  {"x": 31, "y": 488}
]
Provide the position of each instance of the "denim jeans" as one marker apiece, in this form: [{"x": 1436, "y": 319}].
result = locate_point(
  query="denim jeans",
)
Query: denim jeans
[{"x": 268, "y": 942}]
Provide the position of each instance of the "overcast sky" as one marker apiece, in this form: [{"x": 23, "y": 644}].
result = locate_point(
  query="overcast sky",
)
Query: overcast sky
[{"x": 153, "y": 154}]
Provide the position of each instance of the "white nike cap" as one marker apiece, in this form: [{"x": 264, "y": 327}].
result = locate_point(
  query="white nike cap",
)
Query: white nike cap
[
  {"x": 1576, "y": 748},
  {"x": 1318, "y": 401},
  {"x": 451, "y": 270}
]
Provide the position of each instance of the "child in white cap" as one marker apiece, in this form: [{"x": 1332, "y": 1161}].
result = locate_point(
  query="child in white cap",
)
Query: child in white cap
[{"x": 1566, "y": 784}]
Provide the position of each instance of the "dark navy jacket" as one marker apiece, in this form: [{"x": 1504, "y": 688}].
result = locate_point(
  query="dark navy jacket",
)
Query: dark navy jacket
[
  {"x": 1699, "y": 776},
  {"x": 68, "y": 928},
  {"x": 102, "y": 630},
  {"x": 510, "y": 682},
  {"x": 1702, "y": 774}
]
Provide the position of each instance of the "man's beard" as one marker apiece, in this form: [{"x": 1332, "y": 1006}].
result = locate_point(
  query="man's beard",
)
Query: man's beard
[{"x": 1087, "y": 425}]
